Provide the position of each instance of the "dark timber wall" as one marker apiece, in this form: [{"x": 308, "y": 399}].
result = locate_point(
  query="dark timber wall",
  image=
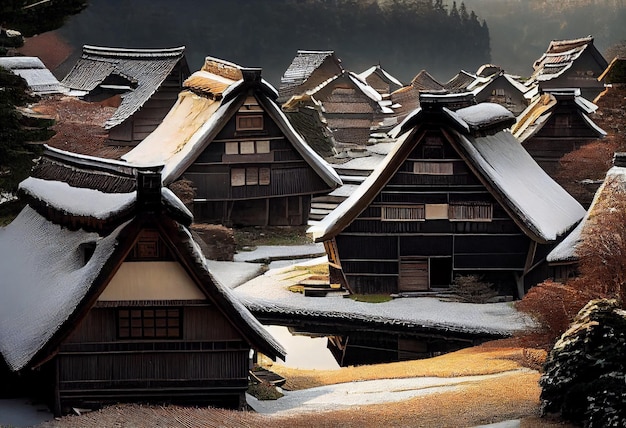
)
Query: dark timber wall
[
  {"x": 270, "y": 183},
  {"x": 382, "y": 256}
]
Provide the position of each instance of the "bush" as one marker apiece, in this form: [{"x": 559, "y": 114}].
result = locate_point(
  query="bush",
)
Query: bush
[
  {"x": 472, "y": 289},
  {"x": 583, "y": 376},
  {"x": 554, "y": 305}
]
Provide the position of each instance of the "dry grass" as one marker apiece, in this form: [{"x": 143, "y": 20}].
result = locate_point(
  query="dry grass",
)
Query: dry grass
[
  {"x": 511, "y": 396},
  {"x": 479, "y": 360}
]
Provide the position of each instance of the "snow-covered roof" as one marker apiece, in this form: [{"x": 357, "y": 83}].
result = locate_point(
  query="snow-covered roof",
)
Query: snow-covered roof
[
  {"x": 39, "y": 79},
  {"x": 44, "y": 278},
  {"x": 382, "y": 73},
  {"x": 145, "y": 69},
  {"x": 198, "y": 116},
  {"x": 302, "y": 67},
  {"x": 612, "y": 191},
  {"x": 561, "y": 56},
  {"x": 536, "y": 202}
]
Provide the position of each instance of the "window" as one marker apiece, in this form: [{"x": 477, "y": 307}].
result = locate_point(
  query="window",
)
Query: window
[
  {"x": 402, "y": 213},
  {"x": 470, "y": 211},
  {"x": 149, "y": 247},
  {"x": 247, "y": 147},
  {"x": 432, "y": 168},
  {"x": 149, "y": 323},
  {"x": 498, "y": 92},
  {"x": 249, "y": 122},
  {"x": 251, "y": 176}
]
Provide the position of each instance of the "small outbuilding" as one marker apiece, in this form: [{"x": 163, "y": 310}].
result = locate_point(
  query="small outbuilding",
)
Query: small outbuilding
[
  {"x": 38, "y": 78},
  {"x": 307, "y": 70}
]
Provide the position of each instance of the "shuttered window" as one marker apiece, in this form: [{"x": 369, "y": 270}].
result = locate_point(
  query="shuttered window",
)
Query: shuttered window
[
  {"x": 249, "y": 122},
  {"x": 247, "y": 147},
  {"x": 251, "y": 176},
  {"x": 432, "y": 168},
  {"x": 476, "y": 211},
  {"x": 402, "y": 213}
]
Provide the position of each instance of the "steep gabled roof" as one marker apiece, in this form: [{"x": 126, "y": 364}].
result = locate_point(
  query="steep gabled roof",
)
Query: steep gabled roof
[
  {"x": 482, "y": 83},
  {"x": 144, "y": 70},
  {"x": 536, "y": 115},
  {"x": 423, "y": 81},
  {"x": 48, "y": 287},
  {"x": 560, "y": 57},
  {"x": 302, "y": 67},
  {"x": 536, "y": 202},
  {"x": 39, "y": 79},
  {"x": 202, "y": 110},
  {"x": 459, "y": 82},
  {"x": 382, "y": 73}
]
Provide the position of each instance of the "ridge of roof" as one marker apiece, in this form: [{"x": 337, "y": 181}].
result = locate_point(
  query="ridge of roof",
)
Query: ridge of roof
[{"x": 118, "y": 52}]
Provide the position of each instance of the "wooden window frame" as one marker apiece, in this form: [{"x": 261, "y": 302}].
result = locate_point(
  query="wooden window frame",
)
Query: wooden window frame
[
  {"x": 149, "y": 323},
  {"x": 241, "y": 124},
  {"x": 250, "y": 176},
  {"x": 398, "y": 212},
  {"x": 474, "y": 211}
]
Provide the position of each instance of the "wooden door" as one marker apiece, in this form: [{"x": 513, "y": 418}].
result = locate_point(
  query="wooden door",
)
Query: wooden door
[{"x": 413, "y": 275}]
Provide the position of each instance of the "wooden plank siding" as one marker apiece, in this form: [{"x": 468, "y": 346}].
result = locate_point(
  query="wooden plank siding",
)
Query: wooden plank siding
[
  {"x": 377, "y": 254},
  {"x": 269, "y": 184},
  {"x": 94, "y": 363}
]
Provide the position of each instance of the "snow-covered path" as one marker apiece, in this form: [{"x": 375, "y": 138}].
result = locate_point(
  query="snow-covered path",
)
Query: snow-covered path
[{"x": 350, "y": 394}]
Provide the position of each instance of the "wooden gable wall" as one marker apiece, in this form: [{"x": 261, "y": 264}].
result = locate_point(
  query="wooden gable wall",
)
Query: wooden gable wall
[
  {"x": 253, "y": 176},
  {"x": 175, "y": 347},
  {"x": 405, "y": 239},
  {"x": 501, "y": 91},
  {"x": 564, "y": 132},
  {"x": 145, "y": 120}
]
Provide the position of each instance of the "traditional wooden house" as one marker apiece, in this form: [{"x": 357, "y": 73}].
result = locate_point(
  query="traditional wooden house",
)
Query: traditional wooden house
[
  {"x": 246, "y": 163},
  {"x": 142, "y": 83},
  {"x": 106, "y": 297},
  {"x": 460, "y": 82},
  {"x": 493, "y": 85},
  {"x": 351, "y": 108},
  {"x": 615, "y": 73},
  {"x": 308, "y": 70},
  {"x": 574, "y": 63},
  {"x": 379, "y": 79},
  {"x": 457, "y": 195},
  {"x": 39, "y": 79},
  {"x": 608, "y": 201},
  {"x": 556, "y": 123}
]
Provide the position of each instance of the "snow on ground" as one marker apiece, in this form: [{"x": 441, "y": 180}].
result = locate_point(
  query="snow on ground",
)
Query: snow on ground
[
  {"x": 345, "y": 395},
  {"x": 269, "y": 293},
  {"x": 280, "y": 252}
]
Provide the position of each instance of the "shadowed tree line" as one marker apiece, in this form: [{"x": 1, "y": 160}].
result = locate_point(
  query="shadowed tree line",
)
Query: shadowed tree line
[{"x": 404, "y": 36}]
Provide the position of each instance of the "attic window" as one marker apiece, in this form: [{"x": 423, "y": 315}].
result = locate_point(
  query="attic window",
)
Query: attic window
[
  {"x": 470, "y": 211},
  {"x": 250, "y": 122},
  {"x": 247, "y": 147},
  {"x": 249, "y": 176},
  {"x": 149, "y": 323},
  {"x": 149, "y": 247},
  {"x": 402, "y": 213},
  {"x": 433, "y": 168}
]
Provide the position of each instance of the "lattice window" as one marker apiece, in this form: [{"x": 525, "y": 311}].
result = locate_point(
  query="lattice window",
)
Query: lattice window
[
  {"x": 402, "y": 213},
  {"x": 149, "y": 247},
  {"x": 433, "y": 168},
  {"x": 149, "y": 323},
  {"x": 476, "y": 211}
]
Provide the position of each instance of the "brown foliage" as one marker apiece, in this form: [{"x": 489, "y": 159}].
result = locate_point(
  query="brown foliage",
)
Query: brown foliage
[
  {"x": 554, "y": 304},
  {"x": 602, "y": 252},
  {"x": 217, "y": 241}
]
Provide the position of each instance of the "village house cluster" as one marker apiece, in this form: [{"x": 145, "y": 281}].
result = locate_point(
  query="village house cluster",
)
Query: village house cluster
[{"x": 408, "y": 186}]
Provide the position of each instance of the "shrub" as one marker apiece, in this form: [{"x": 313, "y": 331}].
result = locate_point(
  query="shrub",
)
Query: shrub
[
  {"x": 583, "y": 376},
  {"x": 554, "y": 305},
  {"x": 472, "y": 289}
]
